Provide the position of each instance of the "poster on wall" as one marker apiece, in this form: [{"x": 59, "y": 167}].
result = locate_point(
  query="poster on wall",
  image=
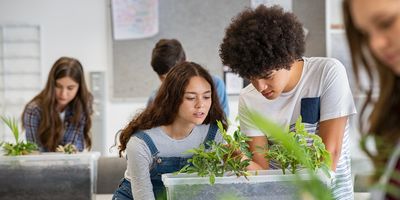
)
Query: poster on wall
[{"x": 134, "y": 19}]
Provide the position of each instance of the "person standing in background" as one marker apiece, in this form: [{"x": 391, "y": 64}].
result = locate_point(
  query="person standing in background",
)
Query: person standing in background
[
  {"x": 61, "y": 113},
  {"x": 169, "y": 52},
  {"x": 373, "y": 33}
]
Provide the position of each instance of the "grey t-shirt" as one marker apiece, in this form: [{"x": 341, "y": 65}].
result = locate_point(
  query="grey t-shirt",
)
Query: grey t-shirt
[{"x": 140, "y": 160}]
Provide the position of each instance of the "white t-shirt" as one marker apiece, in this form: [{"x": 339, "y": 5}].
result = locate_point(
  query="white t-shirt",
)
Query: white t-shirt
[{"x": 322, "y": 93}]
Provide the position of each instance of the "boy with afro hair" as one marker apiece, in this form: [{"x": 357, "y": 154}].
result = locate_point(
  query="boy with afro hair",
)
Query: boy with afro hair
[{"x": 266, "y": 46}]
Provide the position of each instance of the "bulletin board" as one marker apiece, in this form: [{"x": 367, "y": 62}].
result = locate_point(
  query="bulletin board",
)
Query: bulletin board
[{"x": 200, "y": 26}]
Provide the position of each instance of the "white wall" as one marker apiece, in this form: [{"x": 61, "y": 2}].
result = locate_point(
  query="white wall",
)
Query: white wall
[
  {"x": 68, "y": 28},
  {"x": 75, "y": 28},
  {"x": 335, "y": 11}
]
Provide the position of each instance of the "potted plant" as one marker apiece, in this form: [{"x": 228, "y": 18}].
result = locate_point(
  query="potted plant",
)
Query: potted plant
[
  {"x": 220, "y": 158},
  {"x": 316, "y": 154},
  {"x": 56, "y": 176},
  {"x": 19, "y": 147},
  {"x": 68, "y": 148},
  {"x": 318, "y": 185},
  {"x": 222, "y": 167}
]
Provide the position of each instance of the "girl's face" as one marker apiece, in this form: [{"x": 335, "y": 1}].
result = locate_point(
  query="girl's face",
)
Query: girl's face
[
  {"x": 196, "y": 101},
  {"x": 66, "y": 89},
  {"x": 379, "y": 21},
  {"x": 272, "y": 85}
]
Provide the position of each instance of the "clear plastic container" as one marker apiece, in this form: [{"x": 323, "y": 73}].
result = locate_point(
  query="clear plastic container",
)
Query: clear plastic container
[
  {"x": 261, "y": 185},
  {"x": 54, "y": 176}
]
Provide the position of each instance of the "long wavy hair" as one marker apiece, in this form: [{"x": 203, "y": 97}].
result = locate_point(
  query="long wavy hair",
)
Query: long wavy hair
[
  {"x": 163, "y": 111},
  {"x": 51, "y": 127},
  {"x": 384, "y": 120}
]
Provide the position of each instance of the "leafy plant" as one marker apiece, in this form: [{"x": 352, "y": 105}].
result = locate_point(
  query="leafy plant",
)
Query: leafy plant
[
  {"x": 311, "y": 189},
  {"x": 316, "y": 154},
  {"x": 20, "y": 147},
  {"x": 220, "y": 158},
  {"x": 68, "y": 148}
]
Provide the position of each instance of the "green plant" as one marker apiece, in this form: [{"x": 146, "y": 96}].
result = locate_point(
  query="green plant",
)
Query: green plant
[
  {"x": 220, "y": 158},
  {"x": 68, "y": 148},
  {"x": 316, "y": 154},
  {"x": 20, "y": 147},
  {"x": 311, "y": 189}
]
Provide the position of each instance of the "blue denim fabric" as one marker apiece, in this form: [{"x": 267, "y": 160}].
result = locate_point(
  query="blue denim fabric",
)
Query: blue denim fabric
[
  {"x": 124, "y": 191},
  {"x": 310, "y": 110},
  {"x": 222, "y": 96},
  {"x": 161, "y": 165}
]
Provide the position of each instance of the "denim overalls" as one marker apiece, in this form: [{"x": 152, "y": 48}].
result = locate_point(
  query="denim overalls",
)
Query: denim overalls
[{"x": 161, "y": 165}]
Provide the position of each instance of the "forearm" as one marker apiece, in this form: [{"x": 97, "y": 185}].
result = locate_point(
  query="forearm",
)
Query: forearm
[
  {"x": 332, "y": 133},
  {"x": 257, "y": 145},
  {"x": 252, "y": 164},
  {"x": 335, "y": 155}
]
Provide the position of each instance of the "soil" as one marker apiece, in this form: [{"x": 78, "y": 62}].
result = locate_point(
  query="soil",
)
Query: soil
[{"x": 53, "y": 182}]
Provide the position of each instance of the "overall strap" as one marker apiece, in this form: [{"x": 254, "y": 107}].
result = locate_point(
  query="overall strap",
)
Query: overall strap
[
  {"x": 147, "y": 139},
  {"x": 212, "y": 131}
]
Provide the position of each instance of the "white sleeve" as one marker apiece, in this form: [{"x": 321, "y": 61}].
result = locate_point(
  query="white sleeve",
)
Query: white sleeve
[
  {"x": 336, "y": 98},
  {"x": 246, "y": 124},
  {"x": 139, "y": 162}
]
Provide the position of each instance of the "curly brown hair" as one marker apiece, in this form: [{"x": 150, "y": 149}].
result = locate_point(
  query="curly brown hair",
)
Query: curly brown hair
[{"x": 260, "y": 40}]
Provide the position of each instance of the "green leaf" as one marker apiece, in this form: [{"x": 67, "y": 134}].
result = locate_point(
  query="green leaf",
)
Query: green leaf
[
  {"x": 212, "y": 178},
  {"x": 20, "y": 147},
  {"x": 13, "y": 125},
  {"x": 222, "y": 157}
]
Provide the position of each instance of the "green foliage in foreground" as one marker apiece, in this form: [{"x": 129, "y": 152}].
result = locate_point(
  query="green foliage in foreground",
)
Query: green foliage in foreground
[
  {"x": 220, "y": 158},
  {"x": 310, "y": 189},
  {"x": 316, "y": 154},
  {"x": 19, "y": 147}
]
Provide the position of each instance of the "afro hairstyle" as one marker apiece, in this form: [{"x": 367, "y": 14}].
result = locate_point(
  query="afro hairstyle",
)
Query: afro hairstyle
[{"x": 261, "y": 40}]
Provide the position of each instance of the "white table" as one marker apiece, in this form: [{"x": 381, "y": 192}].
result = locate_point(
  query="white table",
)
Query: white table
[
  {"x": 357, "y": 196},
  {"x": 103, "y": 196}
]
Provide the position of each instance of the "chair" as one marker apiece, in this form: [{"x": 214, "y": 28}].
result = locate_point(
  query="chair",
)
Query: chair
[{"x": 109, "y": 173}]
